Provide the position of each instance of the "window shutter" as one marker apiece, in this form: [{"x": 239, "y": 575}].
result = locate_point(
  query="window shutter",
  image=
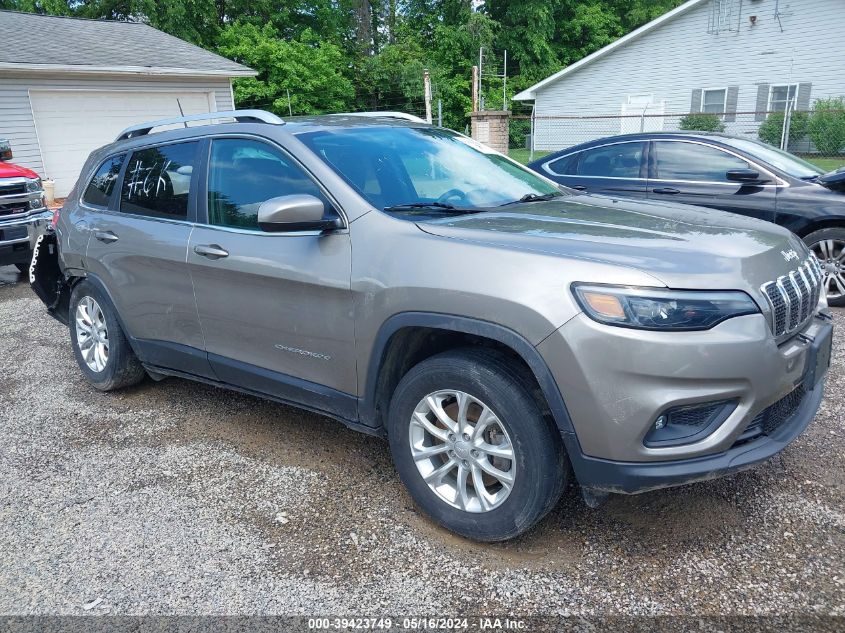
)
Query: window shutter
[
  {"x": 730, "y": 103},
  {"x": 695, "y": 104},
  {"x": 762, "y": 102},
  {"x": 803, "y": 100}
]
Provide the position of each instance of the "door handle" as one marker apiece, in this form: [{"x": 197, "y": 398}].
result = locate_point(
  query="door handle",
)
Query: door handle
[
  {"x": 212, "y": 251},
  {"x": 668, "y": 190},
  {"x": 106, "y": 236},
  {"x": 579, "y": 187}
]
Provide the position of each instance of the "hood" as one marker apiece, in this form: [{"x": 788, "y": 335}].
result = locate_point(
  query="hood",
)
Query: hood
[
  {"x": 8, "y": 170},
  {"x": 834, "y": 180},
  {"x": 681, "y": 245}
]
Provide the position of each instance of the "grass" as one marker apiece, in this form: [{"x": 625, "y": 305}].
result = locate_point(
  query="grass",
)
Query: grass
[
  {"x": 828, "y": 164},
  {"x": 522, "y": 155}
]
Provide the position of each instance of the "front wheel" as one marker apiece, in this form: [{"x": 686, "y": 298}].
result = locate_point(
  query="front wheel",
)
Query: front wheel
[
  {"x": 472, "y": 446},
  {"x": 828, "y": 245}
]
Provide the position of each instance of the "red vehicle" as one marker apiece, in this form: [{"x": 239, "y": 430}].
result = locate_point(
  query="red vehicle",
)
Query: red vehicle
[{"x": 23, "y": 211}]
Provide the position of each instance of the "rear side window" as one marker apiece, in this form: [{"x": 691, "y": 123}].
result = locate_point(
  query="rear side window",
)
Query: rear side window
[
  {"x": 243, "y": 174},
  {"x": 621, "y": 160},
  {"x": 158, "y": 180},
  {"x": 99, "y": 190},
  {"x": 564, "y": 166}
]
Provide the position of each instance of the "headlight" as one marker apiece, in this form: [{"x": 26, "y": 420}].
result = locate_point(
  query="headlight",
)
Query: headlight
[
  {"x": 661, "y": 309},
  {"x": 33, "y": 185}
]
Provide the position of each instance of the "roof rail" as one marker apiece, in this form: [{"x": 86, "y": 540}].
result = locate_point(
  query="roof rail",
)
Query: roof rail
[
  {"x": 241, "y": 116},
  {"x": 388, "y": 115}
]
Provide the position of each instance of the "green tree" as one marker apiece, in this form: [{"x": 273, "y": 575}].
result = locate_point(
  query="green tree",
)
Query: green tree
[{"x": 307, "y": 68}]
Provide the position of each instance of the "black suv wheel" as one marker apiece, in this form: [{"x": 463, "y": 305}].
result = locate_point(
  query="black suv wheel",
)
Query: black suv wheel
[{"x": 473, "y": 447}]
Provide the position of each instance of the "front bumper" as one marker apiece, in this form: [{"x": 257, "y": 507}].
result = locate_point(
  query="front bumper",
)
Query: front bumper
[
  {"x": 603, "y": 475},
  {"x": 616, "y": 382},
  {"x": 18, "y": 235}
]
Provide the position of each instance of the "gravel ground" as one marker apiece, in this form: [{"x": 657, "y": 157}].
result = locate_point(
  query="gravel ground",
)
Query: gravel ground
[{"x": 179, "y": 498}]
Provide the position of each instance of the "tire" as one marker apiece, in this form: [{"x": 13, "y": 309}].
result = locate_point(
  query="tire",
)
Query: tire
[
  {"x": 23, "y": 268},
  {"x": 829, "y": 247},
  {"x": 118, "y": 367},
  {"x": 538, "y": 467}
]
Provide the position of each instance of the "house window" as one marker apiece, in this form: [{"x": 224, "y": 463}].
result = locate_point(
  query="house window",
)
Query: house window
[
  {"x": 779, "y": 96},
  {"x": 713, "y": 101}
]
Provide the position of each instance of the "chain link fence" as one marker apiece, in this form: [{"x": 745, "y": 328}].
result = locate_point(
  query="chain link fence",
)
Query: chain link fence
[{"x": 816, "y": 135}]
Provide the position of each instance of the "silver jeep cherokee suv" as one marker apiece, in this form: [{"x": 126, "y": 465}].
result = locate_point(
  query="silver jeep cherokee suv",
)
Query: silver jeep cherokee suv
[{"x": 502, "y": 332}]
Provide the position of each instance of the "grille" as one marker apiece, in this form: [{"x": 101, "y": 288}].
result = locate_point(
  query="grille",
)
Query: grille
[
  {"x": 697, "y": 415},
  {"x": 13, "y": 209},
  {"x": 794, "y": 296},
  {"x": 772, "y": 417},
  {"x": 13, "y": 190}
]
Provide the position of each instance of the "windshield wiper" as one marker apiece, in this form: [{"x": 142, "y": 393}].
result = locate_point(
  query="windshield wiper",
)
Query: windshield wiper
[
  {"x": 439, "y": 206},
  {"x": 534, "y": 197}
]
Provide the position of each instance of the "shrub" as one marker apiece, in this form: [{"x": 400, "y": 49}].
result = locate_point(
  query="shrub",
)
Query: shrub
[
  {"x": 771, "y": 129},
  {"x": 702, "y": 122},
  {"x": 518, "y": 130},
  {"x": 827, "y": 126}
]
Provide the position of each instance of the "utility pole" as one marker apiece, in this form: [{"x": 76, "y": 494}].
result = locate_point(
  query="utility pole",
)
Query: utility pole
[
  {"x": 475, "y": 88},
  {"x": 505, "y": 83},
  {"x": 440, "y": 113},
  {"x": 480, "y": 78},
  {"x": 427, "y": 88}
]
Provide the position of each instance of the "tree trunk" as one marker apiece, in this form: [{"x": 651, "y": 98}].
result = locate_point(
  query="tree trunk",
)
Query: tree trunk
[{"x": 364, "y": 33}]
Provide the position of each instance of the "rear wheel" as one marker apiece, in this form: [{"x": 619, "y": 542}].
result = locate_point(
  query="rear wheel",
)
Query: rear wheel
[
  {"x": 472, "y": 446},
  {"x": 23, "y": 268},
  {"x": 828, "y": 245},
  {"x": 99, "y": 344}
]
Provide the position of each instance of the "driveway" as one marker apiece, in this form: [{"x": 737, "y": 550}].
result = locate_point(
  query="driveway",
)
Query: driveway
[{"x": 180, "y": 498}]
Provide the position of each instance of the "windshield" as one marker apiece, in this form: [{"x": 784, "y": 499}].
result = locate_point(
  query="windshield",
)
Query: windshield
[
  {"x": 397, "y": 166},
  {"x": 786, "y": 162}
]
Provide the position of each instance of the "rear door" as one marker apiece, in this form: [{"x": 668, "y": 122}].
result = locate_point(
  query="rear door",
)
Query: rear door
[
  {"x": 276, "y": 308},
  {"x": 692, "y": 172},
  {"x": 138, "y": 244},
  {"x": 617, "y": 169}
]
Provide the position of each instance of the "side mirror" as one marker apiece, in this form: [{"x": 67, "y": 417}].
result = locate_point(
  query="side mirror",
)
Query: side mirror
[
  {"x": 297, "y": 212},
  {"x": 746, "y": 176}
]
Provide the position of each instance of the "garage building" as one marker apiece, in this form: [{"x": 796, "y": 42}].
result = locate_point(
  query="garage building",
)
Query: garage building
[{"x": 69, "y": 85}]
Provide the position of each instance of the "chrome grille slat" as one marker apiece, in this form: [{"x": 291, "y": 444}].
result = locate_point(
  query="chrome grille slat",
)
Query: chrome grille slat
[{"x": 793, "y": 297}]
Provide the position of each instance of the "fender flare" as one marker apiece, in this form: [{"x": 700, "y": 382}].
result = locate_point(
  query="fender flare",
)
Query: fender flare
[
  {"x": 98, "y": 283},
  {"x": 464, "y": 325}
]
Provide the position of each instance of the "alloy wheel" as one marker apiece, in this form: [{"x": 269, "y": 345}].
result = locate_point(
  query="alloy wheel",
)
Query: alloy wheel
[
  {"x": 462, "y": 450},
  {"x": 92, "y": 335},
  {"x": 831, "y": 256}
]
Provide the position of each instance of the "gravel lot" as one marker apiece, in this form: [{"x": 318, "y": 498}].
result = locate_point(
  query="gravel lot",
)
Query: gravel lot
[{"x": 179, "y": 498}]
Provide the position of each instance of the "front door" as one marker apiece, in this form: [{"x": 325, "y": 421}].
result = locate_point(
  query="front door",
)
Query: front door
[
  {"x": 276, "y": 308},
  {"x": 139, "y": 237},
  {"x": 690, "y": 172}
]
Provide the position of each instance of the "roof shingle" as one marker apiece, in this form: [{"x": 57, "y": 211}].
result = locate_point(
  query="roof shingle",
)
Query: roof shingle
[{"x": 96, "y": 45}]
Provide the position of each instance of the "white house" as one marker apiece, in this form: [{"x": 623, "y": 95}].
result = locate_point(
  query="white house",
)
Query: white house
[
  {"x": 740, "y": 59},
  {"x": 68, "y": 86}
]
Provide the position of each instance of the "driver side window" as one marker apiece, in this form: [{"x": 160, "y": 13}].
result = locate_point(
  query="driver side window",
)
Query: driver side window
[
  {"x": 244, "y": 173},
  {"x": 157, "y": 181}
]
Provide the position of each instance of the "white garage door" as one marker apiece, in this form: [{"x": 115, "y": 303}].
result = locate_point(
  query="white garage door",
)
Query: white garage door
[{"x": 72, "y": 123}]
